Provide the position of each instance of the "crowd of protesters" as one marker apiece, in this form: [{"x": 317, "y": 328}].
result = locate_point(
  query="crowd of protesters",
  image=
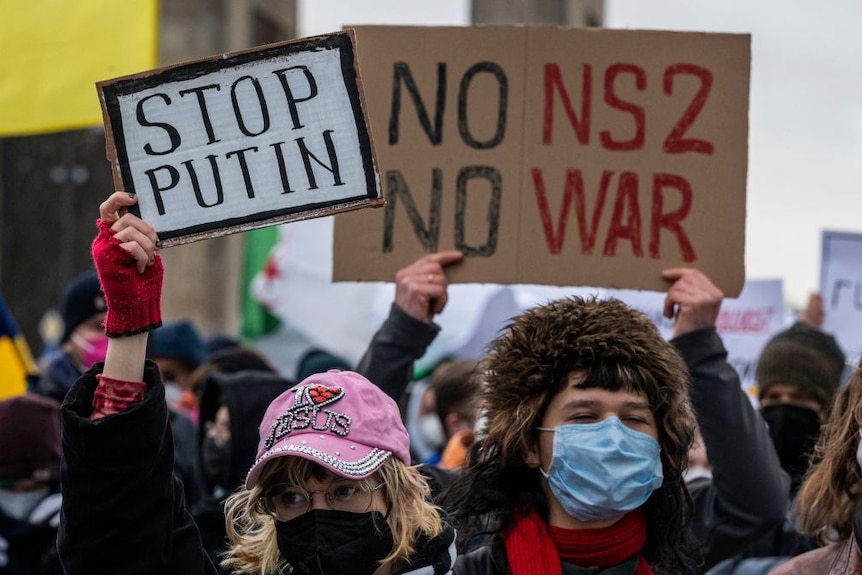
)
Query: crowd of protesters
[{"x": 581, "y": 442}]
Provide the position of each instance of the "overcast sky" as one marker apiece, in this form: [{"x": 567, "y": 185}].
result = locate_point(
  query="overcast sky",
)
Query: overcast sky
[{"x": 805, "y": 116}]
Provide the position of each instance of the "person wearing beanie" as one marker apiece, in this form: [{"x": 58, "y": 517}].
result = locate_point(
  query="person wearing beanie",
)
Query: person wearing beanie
[
  {"x": 330, "y": 489},
  {"x": 178, "y": 349},
  {"x": 83, "y": 341},
  {"x": 29, "y": 485},
  {"x": 317, "y": 361},
  {"x": 798, "y": 375}
]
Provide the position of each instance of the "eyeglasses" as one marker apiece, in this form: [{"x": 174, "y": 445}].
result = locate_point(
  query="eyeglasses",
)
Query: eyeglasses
[{"x": 286, "y": 501}]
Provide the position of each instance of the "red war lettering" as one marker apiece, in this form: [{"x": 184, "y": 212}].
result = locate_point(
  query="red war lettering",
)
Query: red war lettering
[
  {"x": 637, "y": 112},
  {"x": 574, "y": 186},
  {"x": 670, "y": 221},
  {"x": 588, "y": 233},
  {"x": 554, "y": 82},
  {"x": 554, "y": 240},
  {"x": 676, "y": 143},
  {"x": 627, "y": 199}
]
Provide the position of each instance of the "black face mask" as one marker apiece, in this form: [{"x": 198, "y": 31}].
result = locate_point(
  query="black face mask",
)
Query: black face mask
[
  {"x": 794, "y": 432},
  {"x": 215, "y": 461},
  {"x": 325, "y": 542}
]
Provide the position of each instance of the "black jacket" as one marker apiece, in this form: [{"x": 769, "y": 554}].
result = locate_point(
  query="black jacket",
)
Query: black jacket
[
  {"x": 123, "y": 509},
  {"x": 246, "y": 394},
  {"x": 747, "y": 495}
]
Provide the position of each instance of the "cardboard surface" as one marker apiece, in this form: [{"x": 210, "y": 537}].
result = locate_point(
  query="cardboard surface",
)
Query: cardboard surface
[
  {"x": 243, "y": 140},
  {"x": 554, "y": 156}
]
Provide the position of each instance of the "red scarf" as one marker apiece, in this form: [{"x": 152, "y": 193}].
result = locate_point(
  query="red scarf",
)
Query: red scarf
[{"x": 532, "y": 550}]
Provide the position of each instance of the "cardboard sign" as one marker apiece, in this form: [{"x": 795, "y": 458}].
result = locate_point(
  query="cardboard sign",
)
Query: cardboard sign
[
  {"x": 554, "y": 156},
  {"x": 243, "y": 140},
  {"x": 841, "y": 288}
]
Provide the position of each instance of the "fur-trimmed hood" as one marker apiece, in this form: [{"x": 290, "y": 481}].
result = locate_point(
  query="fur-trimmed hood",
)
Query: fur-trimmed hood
[{"x": 544, "y": 344}]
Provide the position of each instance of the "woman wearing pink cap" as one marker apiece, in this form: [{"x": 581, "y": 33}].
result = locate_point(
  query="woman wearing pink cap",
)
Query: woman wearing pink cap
[{"x": 331, "y": 490}]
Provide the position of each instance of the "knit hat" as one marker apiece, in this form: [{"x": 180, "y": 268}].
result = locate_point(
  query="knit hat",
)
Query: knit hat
[
  {"x": 82, "y": 299},
  {"x": 319, "y": 361},
  {"x": 29, "y": 438},
  {"x": 178, "y": 340},
  {"x": 803, "y": 356},
  {"x": 337, "y": 419}
]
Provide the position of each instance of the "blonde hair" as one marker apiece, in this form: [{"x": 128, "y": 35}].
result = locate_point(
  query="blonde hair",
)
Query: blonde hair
[{"x": 251, "y": 530}]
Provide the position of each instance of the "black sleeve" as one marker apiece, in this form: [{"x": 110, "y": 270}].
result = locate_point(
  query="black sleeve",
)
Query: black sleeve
[
  {"x": 748, "y": 494},
  {"x": 123, "y": 510},
  {"x": 400, "y": 341}
]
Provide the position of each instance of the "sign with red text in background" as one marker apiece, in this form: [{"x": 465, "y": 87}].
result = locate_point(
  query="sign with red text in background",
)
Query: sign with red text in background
[{"x": 555, "y": 156}]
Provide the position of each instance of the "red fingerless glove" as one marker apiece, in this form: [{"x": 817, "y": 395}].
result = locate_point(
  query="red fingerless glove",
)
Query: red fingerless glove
[{"x": 134, "y": 299}]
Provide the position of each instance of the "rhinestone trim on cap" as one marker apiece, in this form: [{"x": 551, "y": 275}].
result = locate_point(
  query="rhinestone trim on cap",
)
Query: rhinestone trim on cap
[{"x": 359, "y": 468}]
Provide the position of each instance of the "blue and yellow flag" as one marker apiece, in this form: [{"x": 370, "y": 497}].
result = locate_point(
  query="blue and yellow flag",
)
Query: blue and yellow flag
[
  {"x": 16, "y": 362},
  {"x": 54, "y": 51}
]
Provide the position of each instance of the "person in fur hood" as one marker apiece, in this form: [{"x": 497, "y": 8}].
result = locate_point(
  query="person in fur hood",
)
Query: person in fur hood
[{"x": 579, "y": 468}]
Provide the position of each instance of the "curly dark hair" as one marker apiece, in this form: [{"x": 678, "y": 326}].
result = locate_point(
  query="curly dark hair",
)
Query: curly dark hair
[{"x": 616, "y": 348}]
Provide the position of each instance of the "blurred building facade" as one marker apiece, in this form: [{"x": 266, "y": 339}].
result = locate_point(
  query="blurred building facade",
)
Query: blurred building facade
[{"x": 51, "y": 186}]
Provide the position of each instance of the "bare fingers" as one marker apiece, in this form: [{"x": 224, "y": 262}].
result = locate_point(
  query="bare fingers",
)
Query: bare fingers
[
  {"x": 115, "y": 206},
  {"x": 138, "y": 238}
]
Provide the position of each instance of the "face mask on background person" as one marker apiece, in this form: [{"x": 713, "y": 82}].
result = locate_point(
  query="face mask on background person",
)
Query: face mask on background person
[
  {"x": 602, "y": 470},
  {"x": 432, "y": 431},
  {"x": 173, "y": 392},
  {"x": 327, "y": 542},
  {"x": 794, "y": 431},
  {"x": 92, "y": 350}
]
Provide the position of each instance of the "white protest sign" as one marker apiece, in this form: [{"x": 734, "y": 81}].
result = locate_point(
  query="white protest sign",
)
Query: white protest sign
[
  {"x": 745, "y": 323},
  {"x": 748, "y": 322},
  {"x": 242, "y": 140},
  {"x": 476, "y": 314},
  {"x": 841, "y": 288}
]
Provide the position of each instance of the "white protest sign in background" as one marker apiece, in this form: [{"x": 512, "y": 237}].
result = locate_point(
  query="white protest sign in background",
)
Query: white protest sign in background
[
  {"x": 745, "y": 323},
  {"x": 220, "y": 144},
  {"x": 841, "y": 288}
]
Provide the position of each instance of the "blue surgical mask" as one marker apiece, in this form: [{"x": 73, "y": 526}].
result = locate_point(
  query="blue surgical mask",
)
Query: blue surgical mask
[{"x": 602, "y": 470}]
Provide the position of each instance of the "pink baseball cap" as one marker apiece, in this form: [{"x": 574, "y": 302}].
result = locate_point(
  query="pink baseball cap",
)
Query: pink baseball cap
[{"x": 337, "y": 419}]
